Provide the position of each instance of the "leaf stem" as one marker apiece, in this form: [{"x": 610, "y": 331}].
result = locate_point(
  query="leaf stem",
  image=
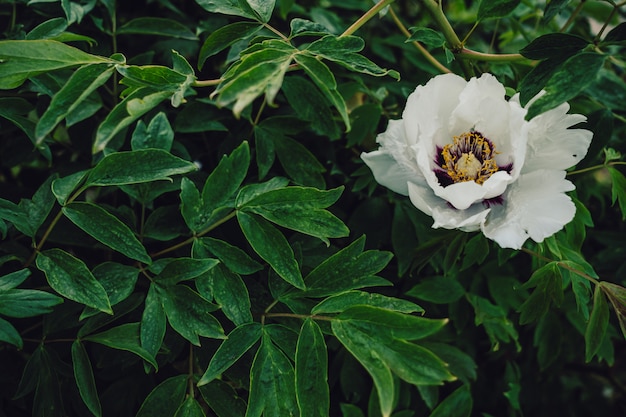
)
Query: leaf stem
[
  {"x": 206, "y": 83},
  {"x": 481, "y": 56},
  {"x": 563, "y": 265},
  {"x": 366, "y": 17},
  {"x": 573, "y": 16},
  {"x": 456, "y": 46},
  {"x": 595, "y": 167},
  {"x": 418, "y": 45},
  {"x": 299, "y": 316},
  {"x": 276, "y": 31}
]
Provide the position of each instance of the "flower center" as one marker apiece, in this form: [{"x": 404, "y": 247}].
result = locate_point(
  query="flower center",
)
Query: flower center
[{"x": 470, "y": 157}]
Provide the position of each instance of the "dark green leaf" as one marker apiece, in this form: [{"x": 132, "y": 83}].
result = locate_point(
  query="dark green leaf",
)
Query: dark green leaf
[
  {"x": 63, "y": 187},
  {"x": 457, "y": 404},
  {"x": 224, "y": 37},
  {"x": 537, "y": 78},
  {"x": 229, "y": 7},
  {"x": 311, "y": 371},
  {"x": 20, "y": 60},
  {"x": 190, "y": 408},
  {"x": 157, "y": 135},
  {"x": 238, "y": 342},
  {"x": 298, "y": 162},
  {"x": 37, "y": 209},
  {"x": 124, "y": 337},
  {"x": 156, "y": 26},
  {"x": 549, "y": 283},
  {"x": 9, "y": 334},
  {"x": 70, "y": 277},
  {"x": 233, "y": 257},
  {"x": 437, "y": 289},
  {"x": 27, "y": 303},
  {"x": 598, "y": 323},
  {"x": 568, "y": 81},
  {"x": 183, "y": 269},
  {"x": 189, "y": 314},
  {"x": 229, "y": 292},
  {"x": 428, "y": 37},
  {"x": 617, "y": 296},
  {"x": 223, "y": 399},
  {"x": 263, "y": 8},
  {"x": 493, "y": 317},
  {"x": 153, "y": 323},
  {"x": 117, "y": 280},
  {"x": 226, "y": 177},
  {"x": 272, "y": 388},
  {"x": 341, "y": 302},
  {"x": 616, "y": 35},
  {"x": 78, "y": 88},
  {"x": 348, "y": 269},
  {"x": 83, "y": 374},
  {"x": 165, "y": 399},
  {"x": 551, "y": 45},
  {"x": 618, "y": 190},
  {"x": 12, "y": 280},
  {"x": 496, "y": 8},
  {"x": 107, "y": 229},
  {"x": 272, "y": 246},
  {"x": 133, "y": 167}
]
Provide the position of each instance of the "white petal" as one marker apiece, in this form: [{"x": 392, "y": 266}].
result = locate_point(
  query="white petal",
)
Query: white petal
[
  {"x": 463, "y": 194},
  {"x": 388, "y": 172},
  {"x": 551, "y": 145},
  {"x": 535, "y": 206},
  {"x": 445, "y": 216}
]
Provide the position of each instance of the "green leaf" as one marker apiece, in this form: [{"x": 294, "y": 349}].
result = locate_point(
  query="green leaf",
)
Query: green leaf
[
  {"x": 229, "y": 7},
  {"x": 16, "y": 110},
  {"x": 230, "y": 292},
  {"x": 259, "y": 72},
  {"x": 23, "y": 59},
  {"x": 72, "y": 95},
  {"x": 348, "y": 269},
  {"x": 598, "y": 323},
  {"x": 13, "y": 279},
  {"x": 272, "y": 246},
  {"x": 493, "y": 317},
  {"x": 63, "y": 187},
  {"x": 106, "y": 229},
  {"x": 226, "y": 178},
  {"x": 341, "y": 302},
  {"x": 37, "y": 209},
  {"x": 224, "y": 37},
  {"x": 617, "y": 297},
  {"x": 324, "y": 79},
  {"x": 133, "y": 167},
  {"x": 157, "y": 135},
  {"x": 618, "y": 189},
  {"x": 437, "y": 289},
  {"x": 617, "y": 35},
  {"x": 183, "y": 269},
  {"x": 238, "y": 342},
  {"x": 9, "y": 334},
  {"x": 223, "y": 399},
  {"x": 153, "y": 323},
  {"x": 165, "y": 398},
  {"x": 568, "y": 81},
  {"x": 300, "y": 209},
  {"x": 27, "y": 303},
  {"x": 496, "y": 8},
  {"x": 272, "y": 388},
  {"x": 263, "y": 8},
  {"x": 124, "y": 337},
  {"x": 233, "y": 257},
  {"x": 190, "y": 408},
  {"x": 457, "y": 404},
  {"x": 189, "y": 314},
  {"x": 156, "y": 26},
  {"x": 134, "y": 105},
  {"x": 549, "y": 283},
  {"x": 83, "y": 374},
  {"x": 298, "y": 162},
  {"x": 548, "y": 46},
  {"x": 70, "y": 277},
  {"x": 311, "y": 371},
  {"x": 427, "y": 36},
  {"x": 16, "y": 215}
]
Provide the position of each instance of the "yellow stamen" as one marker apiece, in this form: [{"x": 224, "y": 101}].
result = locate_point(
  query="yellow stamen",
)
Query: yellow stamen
[{"x": 470, "y": 157}]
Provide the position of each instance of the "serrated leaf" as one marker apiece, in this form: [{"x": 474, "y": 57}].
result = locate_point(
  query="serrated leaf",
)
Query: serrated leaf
[
  {"x": 598, "y": 323},
  {"x": 496, "y": 8},
  {"x": 70, "y": 277},
  {"x": 165, "y": 398},
  {"x": 72, "y": 95},
  {"x": 22, "y": 59},
  {"x": 238, "y": 342},
  {"x": 271, "y": 245},
  {"x": 272, "y": 388},
  {"x": 554, "y": 44},
  {"x": 83, "y": 374},
  {"x": 156, "y": 26},
  {"x": 123, "y": 337},
  {"x": 134, "y": 167},
  {"x": 106, "y": 229},
  {"x": 568, "y": 81},
  {"x": 224, "y": 37},
  {"x": 311, "y": 371},
  {"x": 190, "y": 314}
]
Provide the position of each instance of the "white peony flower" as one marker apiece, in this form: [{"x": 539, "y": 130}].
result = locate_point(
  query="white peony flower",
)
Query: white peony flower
[{"x": 465, "y": 156}]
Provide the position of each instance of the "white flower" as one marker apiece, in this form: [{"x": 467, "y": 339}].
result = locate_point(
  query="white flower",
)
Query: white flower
[{"x": 465, "y": 156}]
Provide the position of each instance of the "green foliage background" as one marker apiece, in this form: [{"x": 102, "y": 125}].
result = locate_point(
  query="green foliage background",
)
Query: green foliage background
[{"x": 188, "y": 230}]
